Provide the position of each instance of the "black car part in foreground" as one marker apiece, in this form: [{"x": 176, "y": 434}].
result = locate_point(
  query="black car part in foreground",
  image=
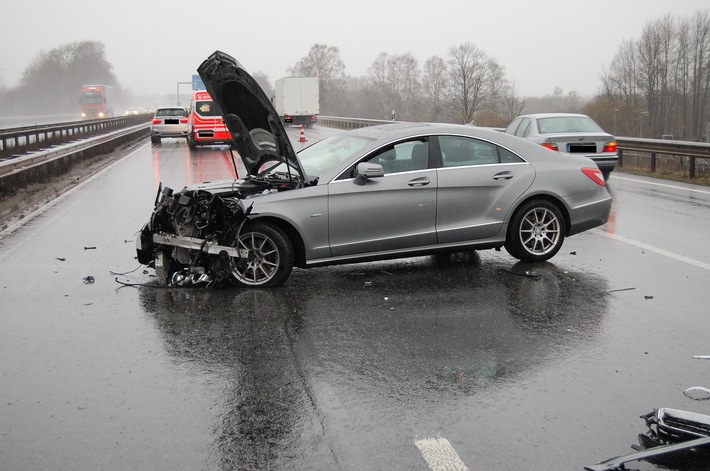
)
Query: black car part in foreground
[{"x": 676, "y": 439}]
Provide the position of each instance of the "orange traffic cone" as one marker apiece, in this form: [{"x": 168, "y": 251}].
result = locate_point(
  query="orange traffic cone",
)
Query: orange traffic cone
[{"x": 302, "y": 138}]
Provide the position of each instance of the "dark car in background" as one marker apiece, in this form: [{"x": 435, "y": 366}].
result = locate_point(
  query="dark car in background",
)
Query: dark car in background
[{"x": 571, "y": 133}]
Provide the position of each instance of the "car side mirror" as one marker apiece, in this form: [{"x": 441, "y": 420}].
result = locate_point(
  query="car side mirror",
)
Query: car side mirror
[{"x": 366, "y": 170}]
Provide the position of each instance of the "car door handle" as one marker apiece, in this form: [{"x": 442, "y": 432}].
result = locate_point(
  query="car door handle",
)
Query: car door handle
[
  {"x": 423, "y": 181},
  {"x": 503, "y": 176}
]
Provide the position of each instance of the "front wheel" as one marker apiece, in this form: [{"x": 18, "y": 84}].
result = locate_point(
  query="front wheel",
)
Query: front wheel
[
  {"x": 266, "y": 256},
  {"x": 536, "y": 232}
]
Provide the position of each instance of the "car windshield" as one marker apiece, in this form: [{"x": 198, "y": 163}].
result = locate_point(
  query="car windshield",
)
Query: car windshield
[
  {"x": 92, "y": 98},
  {"x": 564, "y": 124},
  {"x": 320, "y": 157},
  {"x": 330, "y": 152}
]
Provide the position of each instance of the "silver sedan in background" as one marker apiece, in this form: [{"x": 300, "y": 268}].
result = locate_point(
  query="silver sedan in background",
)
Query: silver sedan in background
[{"x": 571, "y": 133}]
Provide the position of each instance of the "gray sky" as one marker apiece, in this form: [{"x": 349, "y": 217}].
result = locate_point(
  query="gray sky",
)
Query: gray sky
[{"x": 153, "y": 44}]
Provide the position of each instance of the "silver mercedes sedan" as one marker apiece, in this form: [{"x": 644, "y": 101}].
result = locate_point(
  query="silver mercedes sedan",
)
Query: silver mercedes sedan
[{"x": 389, "y": 191}]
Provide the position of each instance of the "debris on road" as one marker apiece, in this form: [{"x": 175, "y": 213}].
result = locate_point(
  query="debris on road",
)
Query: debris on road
[{"x": 619, "y": 289}]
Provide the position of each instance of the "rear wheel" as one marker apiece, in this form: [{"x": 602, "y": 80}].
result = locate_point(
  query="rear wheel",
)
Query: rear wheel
[
  {"x": 536, "y": 232},
  {"x": 155, "y": 139},
  {"x": 267, "y": 256},
  {"x": 191, "y": 143}
]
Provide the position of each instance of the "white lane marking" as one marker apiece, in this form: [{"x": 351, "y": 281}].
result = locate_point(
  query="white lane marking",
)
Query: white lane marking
[
  {"x": 651, "y": 248},
  {"x": 664, "y": 185},
  {"x": 440, "y": 455}
]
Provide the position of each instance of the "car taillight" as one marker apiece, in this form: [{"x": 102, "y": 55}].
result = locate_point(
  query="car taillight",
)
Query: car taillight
[
  {"x": 550, "y": 145},
  {"x": 595, "y": 175},
  {"x": 183, "y": 121},
  {"x": 156, "y": 121},
  {"x": 610, "y": 147}
]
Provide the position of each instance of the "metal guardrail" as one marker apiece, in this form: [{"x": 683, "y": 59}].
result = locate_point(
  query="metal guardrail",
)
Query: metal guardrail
[
  {"x": 18, "y": 141},
  {"x": 349, "y": 123},
  {"x": 35, "y": 159},
  {"x": 686, "y": 152},
  {"x": 653, "y": 149}
]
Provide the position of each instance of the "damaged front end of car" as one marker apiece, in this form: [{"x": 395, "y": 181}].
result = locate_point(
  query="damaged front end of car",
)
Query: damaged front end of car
[
  {"x": 190, "y": 238},
  {"x": 200, "y": 235}
]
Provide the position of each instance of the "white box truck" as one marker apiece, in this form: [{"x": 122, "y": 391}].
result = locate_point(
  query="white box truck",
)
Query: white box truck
[{"x": 297, "y": 100}]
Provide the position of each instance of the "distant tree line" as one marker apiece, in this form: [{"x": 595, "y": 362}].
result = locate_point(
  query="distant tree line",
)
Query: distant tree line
[
  {"x": 51, "y": 84},
  {"x": 466, "y": 86},
  {"x": 659, "y": 85},
  {"x": 656, "y": 85}
]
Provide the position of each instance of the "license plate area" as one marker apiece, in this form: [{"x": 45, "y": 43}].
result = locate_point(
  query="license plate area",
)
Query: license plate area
[{"x": 582, "y": 148}]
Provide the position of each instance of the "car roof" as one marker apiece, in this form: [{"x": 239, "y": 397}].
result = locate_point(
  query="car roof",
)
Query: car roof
[
  {"x": 398, "y": 130},
  {"x": 553, "y": 115}
]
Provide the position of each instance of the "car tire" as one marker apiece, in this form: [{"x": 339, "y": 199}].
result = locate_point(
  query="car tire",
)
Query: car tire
[
  {"x": 191, "y": 143},
  {"x": 155, "y": 139},
  {"x": 269, "y": 258},
  {"x": 536, "y": 232}
]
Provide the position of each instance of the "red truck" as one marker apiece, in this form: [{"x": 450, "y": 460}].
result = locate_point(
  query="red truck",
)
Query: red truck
[
  {"x": 206, "y": 126},
  {"x": 96, "y": 101}
]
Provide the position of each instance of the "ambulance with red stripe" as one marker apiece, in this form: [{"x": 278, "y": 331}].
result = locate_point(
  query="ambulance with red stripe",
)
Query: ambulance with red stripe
[{"x": 206, "y": 125}]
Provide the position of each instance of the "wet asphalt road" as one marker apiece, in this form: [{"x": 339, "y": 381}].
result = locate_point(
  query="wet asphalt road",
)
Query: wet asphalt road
[{"x": 474, "y": 362}]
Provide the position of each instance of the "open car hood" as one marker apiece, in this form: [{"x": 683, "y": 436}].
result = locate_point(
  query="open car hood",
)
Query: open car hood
[{"x": 259, "y": 135}]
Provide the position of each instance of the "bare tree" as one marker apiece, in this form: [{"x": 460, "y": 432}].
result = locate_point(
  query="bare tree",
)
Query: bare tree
[
  {"x": 379, "y": 95},
  {"x": 699, "y": 50},
  {"x": 511, "y": 103},
  {"x": 470, "y": 79},
  {"x": 655, "y": 56},
  {"x": 263, "y": 80},
  {"x": 620, "y": 90},
  {"x": 434, "y": 86},
  {"x": 325, "y": 63},
  {"x": 395, "y": 87}
]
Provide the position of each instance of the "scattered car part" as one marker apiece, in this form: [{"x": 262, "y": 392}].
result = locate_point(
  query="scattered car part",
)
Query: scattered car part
[{"x": 674, "y": 438}]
